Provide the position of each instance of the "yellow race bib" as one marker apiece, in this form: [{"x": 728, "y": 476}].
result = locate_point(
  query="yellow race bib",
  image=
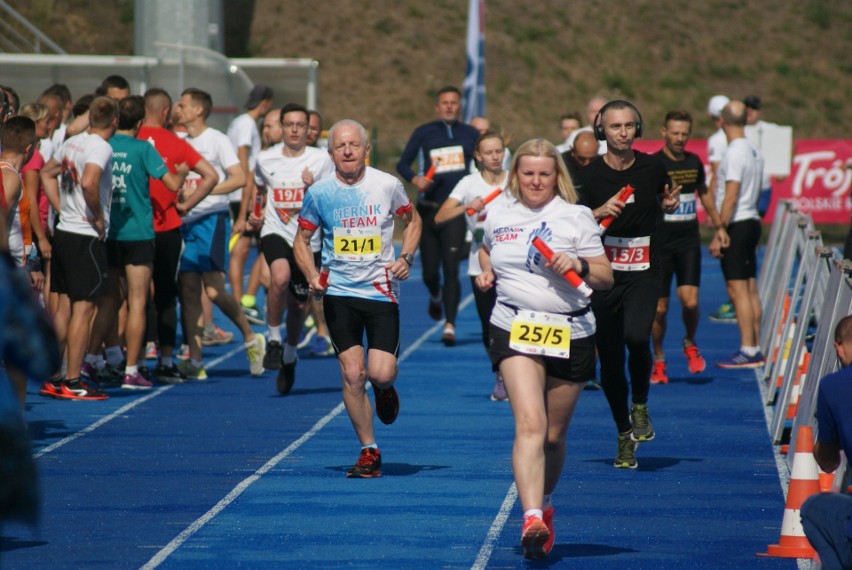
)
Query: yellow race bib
[
  {"x": 542, "y": 334},
  {"x": 357, "y": 244}
]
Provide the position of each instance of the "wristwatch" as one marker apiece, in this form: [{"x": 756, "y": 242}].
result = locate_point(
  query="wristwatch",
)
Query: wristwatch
[
  {"x": 408, "y": 258},
  {"x": 584, "y": 267}
]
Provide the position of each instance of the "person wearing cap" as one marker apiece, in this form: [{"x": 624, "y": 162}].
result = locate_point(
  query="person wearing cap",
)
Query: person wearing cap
[
  {"x": 717, "y": 144},
  {"x": 245, "y": 137}
]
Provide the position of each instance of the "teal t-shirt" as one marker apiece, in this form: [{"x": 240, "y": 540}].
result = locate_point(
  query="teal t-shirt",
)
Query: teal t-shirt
[{"x": 133, "y": 161}]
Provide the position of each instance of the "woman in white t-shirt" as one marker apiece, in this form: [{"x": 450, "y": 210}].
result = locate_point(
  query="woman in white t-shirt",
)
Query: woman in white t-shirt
[
  {"x": 542, "y": 328},
  {"x": 470, "y": 194}
]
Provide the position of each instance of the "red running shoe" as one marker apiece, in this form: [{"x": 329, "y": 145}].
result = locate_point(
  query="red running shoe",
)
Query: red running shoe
[
  {"x": 694, "y": 361},
  {"x": 548, "y": 522},
  {"x": 534, "y": 536},
  {"x": 368, "y": 465},
  {"x": 51, "y": 388},
  {"x": 658, "y": 374},
  {"x": 79, "y": 390}
]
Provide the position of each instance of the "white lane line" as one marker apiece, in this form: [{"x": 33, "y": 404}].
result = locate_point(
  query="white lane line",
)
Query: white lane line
[
  {"x": 126, "y": 408},
  {"x": 496, "y": 530},
  {"x": 122, "y": 410},
  {"x": 199, "y": 523}
]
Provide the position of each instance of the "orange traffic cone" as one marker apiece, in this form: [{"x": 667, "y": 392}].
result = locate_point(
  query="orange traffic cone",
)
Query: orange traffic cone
[
  {"x": 804, "y": 482},
  {"x": 798, "y": 384},
  {"x": 826, "y": 481}
]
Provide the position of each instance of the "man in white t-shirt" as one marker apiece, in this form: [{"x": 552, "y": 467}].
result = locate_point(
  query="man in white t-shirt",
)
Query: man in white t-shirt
[
  {"x": 245, "y": 137},
  {"x": 355, "y": 210},
  {"x": 79, "y": 260},
  {"x": 285, "y": 172},
  {"x": 738, "y": 183},
  {"x": 205, "y": 232}
]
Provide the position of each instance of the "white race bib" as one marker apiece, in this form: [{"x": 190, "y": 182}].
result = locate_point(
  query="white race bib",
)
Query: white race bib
[
  {"x": 628, "y": 254},
  {"x": 685, "y": 211},
  {"x": 448, "y": 159}
]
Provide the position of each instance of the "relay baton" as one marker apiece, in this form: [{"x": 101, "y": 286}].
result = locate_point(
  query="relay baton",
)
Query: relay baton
[
  {"x": 471, "y": 211},
  {"x": 258, "y": 204},
  {"x": 430, "y": 174},
  {"x": 323, "y": 281},
  {"x": 623, "y": 195},
  {"x": 570, "y": 275}
]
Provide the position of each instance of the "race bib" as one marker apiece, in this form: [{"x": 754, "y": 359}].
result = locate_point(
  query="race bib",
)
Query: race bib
[
  {"x": 357, "y": 244},
  {"x": 542, "y": 334},
  {"x": 628, "y": 254},
  {"x": 448, "y": 159},
  {"x": 685, "y": 211},
  {"x": 287, "y": 201}
]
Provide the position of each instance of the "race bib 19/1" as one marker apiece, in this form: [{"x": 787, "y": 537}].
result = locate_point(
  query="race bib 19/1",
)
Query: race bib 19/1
[
  {"x": 357, "y": 244},
  {"x": 628, "y": 254},
  {"x": 542, "y": 334}
]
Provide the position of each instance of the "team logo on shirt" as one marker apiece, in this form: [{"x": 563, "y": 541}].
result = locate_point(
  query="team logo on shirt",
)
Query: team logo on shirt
[
  {"x": 534, "y": 256},
  {"x": 69, "y": 177}
]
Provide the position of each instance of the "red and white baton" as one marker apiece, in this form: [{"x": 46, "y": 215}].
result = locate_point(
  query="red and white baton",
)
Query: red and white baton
[
  {"x": 497, "y": 192},
  {"x": 571, "y": 276},
  {"x": 623, "y": 195}
]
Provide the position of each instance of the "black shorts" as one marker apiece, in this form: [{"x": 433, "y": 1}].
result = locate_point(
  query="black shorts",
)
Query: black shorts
[
  {"x": 78, "y": 266},
  {"x": 276, "y": 247},
  {"x": 348, "y": 317},
  {"x": 739, "y": 260},
  {"x": 685, "y": 264},
  {"x": 235, "y": 213},
  {"x": 580, "y": 367},
  {"x": 121, "y": 253}
]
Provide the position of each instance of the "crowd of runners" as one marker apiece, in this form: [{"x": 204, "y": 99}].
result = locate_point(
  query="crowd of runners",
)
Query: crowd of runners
[{"x": 131, "y": 215}]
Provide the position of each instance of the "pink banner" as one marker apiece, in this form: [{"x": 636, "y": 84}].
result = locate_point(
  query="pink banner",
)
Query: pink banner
[{"x": 818, "y": 184}]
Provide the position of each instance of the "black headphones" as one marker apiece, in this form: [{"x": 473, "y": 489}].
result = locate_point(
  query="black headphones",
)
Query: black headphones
[
  {"x": 4, "y": 106},
  {"x": 598, "y": 127}
]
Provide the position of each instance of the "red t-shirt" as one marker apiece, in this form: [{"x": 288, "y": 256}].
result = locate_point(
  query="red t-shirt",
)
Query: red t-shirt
[{"x": 174, "y": 151}]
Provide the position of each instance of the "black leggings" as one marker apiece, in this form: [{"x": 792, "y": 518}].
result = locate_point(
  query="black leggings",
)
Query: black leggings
[
  {"x": 485, "y": 301},
  {"x": 441, "y": 247},
  {"x": 168, "y": 246},
  {"x": 624, "y": 317}
]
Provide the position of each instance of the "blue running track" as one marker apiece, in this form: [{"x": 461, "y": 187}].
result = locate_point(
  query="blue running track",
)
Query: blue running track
[{"x": 227, "y": 474}]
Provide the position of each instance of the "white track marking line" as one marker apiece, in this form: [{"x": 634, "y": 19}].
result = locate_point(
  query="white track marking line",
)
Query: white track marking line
[
  {"x": 496, "y": 529},
  {"x": 126, "y": 408},
  {"x": 199, "y": 523}
]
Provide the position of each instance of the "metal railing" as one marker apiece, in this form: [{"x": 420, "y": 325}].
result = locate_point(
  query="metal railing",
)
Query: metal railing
[{"x": 18, "y": 35}]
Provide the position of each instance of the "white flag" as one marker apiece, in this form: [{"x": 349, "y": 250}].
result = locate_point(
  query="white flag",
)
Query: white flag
[{"x": 474, "y": 80}]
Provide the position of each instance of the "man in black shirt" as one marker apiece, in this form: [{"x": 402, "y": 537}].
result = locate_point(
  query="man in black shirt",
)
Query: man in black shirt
[
  {"x": 680, "y": 245},
  {"x": 625, "y": 313}
]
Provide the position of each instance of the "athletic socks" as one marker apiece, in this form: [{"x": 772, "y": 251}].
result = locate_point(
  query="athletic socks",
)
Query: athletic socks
[
  {"x": 750, "y": 350},
  {"x": 290, "y": 353},
  {"x": 275, "y": 333},
  {"x": 534, "y": 513},
  {"x": 114, "y": 356}
]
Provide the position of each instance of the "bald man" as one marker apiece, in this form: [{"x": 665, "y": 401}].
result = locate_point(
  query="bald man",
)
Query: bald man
[{"x": 584, "y": 151}]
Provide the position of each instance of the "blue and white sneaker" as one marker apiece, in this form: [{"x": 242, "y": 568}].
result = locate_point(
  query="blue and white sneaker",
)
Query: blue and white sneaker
[
  {"x": 321, "y": 347},
  {"x": 741, "y": 360}
]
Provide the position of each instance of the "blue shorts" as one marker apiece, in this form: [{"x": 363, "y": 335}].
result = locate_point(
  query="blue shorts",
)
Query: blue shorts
[{"x": 206, "y": 244}]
